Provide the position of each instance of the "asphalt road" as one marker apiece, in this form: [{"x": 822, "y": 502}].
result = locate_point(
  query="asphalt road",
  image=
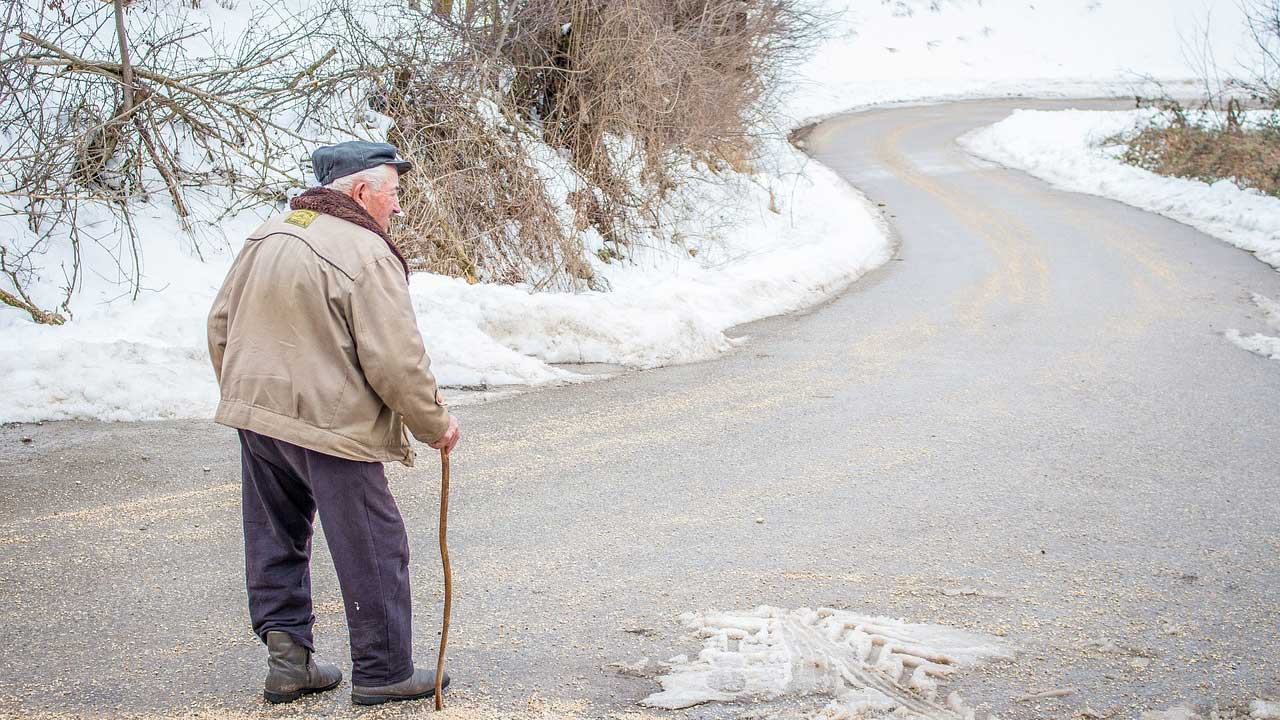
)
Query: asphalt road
[{"x": 1026, "y": 424}]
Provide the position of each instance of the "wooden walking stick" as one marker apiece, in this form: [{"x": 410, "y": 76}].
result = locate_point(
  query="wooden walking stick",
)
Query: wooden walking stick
[{"x": 448, "y": 574}]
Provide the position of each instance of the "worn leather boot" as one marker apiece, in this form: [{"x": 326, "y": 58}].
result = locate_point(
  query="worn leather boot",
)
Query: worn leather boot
[
  {"x": 421, "y": 684},
  {"x": 293, "y": 671}
]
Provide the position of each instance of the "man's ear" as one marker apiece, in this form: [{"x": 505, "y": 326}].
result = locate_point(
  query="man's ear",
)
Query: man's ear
[{"x": 358, "y": 190}]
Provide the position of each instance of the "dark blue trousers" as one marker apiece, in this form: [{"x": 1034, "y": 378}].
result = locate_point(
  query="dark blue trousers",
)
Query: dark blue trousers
[{"x": 284, "y": 486}]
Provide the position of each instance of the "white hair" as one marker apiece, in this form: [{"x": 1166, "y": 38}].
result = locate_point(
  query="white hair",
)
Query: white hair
[{"x": 376, "y": 177}]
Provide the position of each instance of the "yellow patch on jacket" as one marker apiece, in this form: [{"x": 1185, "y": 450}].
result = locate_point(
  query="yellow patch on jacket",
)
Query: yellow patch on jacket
[{"x": 302, "y": 218}]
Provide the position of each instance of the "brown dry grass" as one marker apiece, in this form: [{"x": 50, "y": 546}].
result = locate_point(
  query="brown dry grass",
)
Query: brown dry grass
[
  {"x": 478, "y": 209},
  {"x": 629, "y": 90},
  {"x": 1250, "y": 157}
]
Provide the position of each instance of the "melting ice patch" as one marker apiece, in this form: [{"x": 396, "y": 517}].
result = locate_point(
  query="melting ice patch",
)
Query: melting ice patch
[
  {"x": 1265, "y": 345},
  {"x": 868, "y": 667}
]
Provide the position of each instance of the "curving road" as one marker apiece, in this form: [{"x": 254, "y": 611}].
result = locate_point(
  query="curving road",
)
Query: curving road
[{"x": 1026, "y": 424}]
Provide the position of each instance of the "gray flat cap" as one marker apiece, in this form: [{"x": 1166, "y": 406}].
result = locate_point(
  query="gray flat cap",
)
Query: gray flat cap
[{"x": 331, "y": 162}]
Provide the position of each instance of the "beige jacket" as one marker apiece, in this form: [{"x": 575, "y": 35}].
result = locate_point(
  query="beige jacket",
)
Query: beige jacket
[{"x": 314, "y": 342}]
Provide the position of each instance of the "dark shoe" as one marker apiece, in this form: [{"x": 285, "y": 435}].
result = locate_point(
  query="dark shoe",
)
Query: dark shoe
[
  {"x": 293, "y": 671},
  {"x": 421, "y": 684}
]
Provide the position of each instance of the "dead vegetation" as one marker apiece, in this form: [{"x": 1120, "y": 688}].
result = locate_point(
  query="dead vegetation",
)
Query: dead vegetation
[
  {"x": 1234, "y": 132},
  {"x": 629, "y": 92},
  {"x": 530, "y": 121},
  {"x": 96, "y": 121},
  {"x": 1203, "y": 148}
]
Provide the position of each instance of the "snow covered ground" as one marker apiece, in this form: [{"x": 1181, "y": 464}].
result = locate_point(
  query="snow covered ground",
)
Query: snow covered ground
[
  {"x": 785, "y": 238},
  {"x": 893, "y": 51},
  {"x": 147, "y": 359}
]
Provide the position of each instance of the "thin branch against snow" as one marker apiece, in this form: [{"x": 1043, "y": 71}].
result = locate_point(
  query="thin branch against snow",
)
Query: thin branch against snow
[{"x": 93, "y": 122}]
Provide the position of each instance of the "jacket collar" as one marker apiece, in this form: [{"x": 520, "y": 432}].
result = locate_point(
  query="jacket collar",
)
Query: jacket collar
[{"x": 342, "y": 206}]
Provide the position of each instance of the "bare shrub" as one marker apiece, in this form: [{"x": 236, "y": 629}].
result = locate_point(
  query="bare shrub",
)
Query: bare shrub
[
  {"x": 1250, "y": 157},
  {"x": 477, "y": 206},
  {"x": 633, "y": 90},
  {"x": 631, "y": 93},
  {"x": 675, "y": 78},
  {"x": 96, "y": 117},
  {"x": 1263, "y": 83},
  {"x": 1217, "y": 139},
  {"x": 481, "y": 210}
]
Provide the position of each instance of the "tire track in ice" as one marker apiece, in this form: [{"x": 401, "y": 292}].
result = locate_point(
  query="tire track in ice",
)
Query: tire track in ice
[{"x": 867, "y": 666}]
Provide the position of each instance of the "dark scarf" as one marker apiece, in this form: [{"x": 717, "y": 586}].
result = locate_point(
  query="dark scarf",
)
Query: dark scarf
[{"x": 340, "y": 205}]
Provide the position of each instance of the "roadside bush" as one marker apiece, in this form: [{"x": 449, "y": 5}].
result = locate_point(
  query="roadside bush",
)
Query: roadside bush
[
  {"x": 632, "y": 91},
  {"x": 1207, "y": 149},
  {"x": 94, "y": 122},
  {"x": 531, "y": 121},
  {"x": 1234, "y": 134}
]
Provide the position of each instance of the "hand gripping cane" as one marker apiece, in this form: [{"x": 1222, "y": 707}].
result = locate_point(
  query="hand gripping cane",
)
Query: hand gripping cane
[{"x": 448, "y": 574}]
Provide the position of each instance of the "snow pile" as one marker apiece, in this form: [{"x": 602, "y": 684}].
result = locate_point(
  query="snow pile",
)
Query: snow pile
[
  {"x": 1068, "y": 149},
  {"x": 147, "y": 359},
  {"x": 868, "y": 666},
  {"x": 1267, "y": 346},
  {"x": 121, "y": 358}
]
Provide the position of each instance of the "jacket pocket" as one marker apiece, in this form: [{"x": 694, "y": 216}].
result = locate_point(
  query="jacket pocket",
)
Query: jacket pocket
[
  {"x": 271, "y": 392},
  {"x": 337, "y": 403}
]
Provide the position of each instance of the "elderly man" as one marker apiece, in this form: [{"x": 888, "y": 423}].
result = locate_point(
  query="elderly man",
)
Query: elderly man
[{"x": 321, "y": 369}]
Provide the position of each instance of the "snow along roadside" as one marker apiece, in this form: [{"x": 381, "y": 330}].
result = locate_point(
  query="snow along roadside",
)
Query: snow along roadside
[
  {"x": 146, "y": 359},
  {"x": 1068, "y": 149}
]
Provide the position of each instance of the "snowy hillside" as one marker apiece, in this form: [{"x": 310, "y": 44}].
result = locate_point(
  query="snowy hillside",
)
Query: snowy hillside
[
  {"x": 786, "y": 237},
  {"x": 887, "y": 51}
]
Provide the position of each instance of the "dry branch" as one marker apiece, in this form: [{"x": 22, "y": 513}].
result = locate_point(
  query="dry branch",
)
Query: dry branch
[{"x": 631, "y": 92}]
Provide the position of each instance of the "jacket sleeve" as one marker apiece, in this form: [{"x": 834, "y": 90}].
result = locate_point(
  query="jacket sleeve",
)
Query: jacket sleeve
[
  {"x": 390, "y": 349},
  {"x": 218, "y": 317}
]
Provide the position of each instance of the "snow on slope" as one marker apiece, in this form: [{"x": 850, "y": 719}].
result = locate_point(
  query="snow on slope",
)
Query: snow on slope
[
  {"x": 1067, "y": 149},
  {"x": 887, "y": 51},
  {"x": 126, "y": 359},
  {"x": 147, "y": 359}
]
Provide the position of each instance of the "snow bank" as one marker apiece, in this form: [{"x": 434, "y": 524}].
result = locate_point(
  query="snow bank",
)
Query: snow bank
[
  {"x": 1264, "y": 710},
  {"x": 147, "y": 359},
  {"x": 1068, "y": 148}
]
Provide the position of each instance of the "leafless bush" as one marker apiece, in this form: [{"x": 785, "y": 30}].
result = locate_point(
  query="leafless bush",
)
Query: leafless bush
[
  {"x": 1215, "y": 138},
  {"x": 1263, "y": 83},
  {"x": 101, "y": 116},
  {"x": 676, "y": 78},
  {"x": 480, "y": 210},
  {"x": 1248, "y": 156},
  {"x": 632, "y": 91},
  {"x": 477, "y": 206}
]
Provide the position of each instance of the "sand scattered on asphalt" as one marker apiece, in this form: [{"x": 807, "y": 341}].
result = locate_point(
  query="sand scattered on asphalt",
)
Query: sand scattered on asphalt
[{"x": 466, "y": 708}]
